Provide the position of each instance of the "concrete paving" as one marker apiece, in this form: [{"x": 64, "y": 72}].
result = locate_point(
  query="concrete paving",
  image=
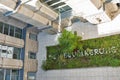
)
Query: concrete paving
[{"x": 100, "y": 73}]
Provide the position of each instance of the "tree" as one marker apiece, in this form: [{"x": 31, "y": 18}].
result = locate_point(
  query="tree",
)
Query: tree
[{"x": 68, "y": 42}]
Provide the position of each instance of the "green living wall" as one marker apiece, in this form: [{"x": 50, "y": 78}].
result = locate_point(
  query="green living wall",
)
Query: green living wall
[{"x": 99, "y": 52}]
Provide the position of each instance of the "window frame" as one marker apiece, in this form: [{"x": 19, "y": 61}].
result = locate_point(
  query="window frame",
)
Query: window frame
[
  {"x": 31, "y": 73},
  {"x": 10, "y": 71},
  {"x": 29, "y": 55},
  {"x": 9, "y": 49},
  {"x": 33, "y": 36},
  {"x": 11, "y": 30},
  {"x": 1, "y": 25},
  {"x": 6, "y": 26},
  {"x": 18, "y": 33}
]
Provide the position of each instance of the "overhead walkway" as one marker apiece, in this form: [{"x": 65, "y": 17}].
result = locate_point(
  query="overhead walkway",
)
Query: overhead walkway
[{"x": 29, "y": 11}]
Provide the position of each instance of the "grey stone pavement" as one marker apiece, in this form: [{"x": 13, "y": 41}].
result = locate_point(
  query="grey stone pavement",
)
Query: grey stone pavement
[{"x": 99, "y": 73}]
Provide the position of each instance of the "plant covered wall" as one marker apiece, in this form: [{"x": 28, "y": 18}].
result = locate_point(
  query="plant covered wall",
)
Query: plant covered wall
[{"x": 105, "y": 52}]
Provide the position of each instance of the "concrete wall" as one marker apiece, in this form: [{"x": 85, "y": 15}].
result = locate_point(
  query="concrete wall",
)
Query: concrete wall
[
  {"x": 112, "y": 10},
  {"x": 40, "y": 8},
  {"x": 88, "y": 31},
  {"x": 8, "y": 3},
  {"x": 32, "y": 65},
  {"x": 33, "y": 46},
  {"x": 97, "y": 3},
  {"x": 12, "y": 21},
  {"x": 10, "y": 63},
  {"x": 11, "y": 41},
  {"x": 44, "y": 40}
]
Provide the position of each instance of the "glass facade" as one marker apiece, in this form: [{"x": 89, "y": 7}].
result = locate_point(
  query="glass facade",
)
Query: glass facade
[
  {"x": 57, "y": 5},
  {"x": 10, "y": 30},
  {"x": 9, "y": 74},
  {"x": 31, "y": 76},
  {"x": 63, "y": 9},
  {"x": 33, "y": 36},
  {"x": 9, "y": 52}
]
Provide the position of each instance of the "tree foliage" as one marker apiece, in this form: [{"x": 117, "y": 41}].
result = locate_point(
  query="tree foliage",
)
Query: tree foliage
[{"x": 69, "y": 41}]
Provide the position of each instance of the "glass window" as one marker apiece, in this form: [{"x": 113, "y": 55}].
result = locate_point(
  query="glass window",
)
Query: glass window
[
  {"x": 10, "y": 52},
  {"x": 7, "y": 76},
  {"x": 6, "y": 29},
  {"x": 64, "y": 8},
  {"x": 32, "y": 55},
  {"x": 31, "y": 75},
  {"x": 18, "y": 32},
  {"x": 16, "y": 54},
  {"x": 4, "y": 51},
  {"x": 52, "y": 1},
  {"x": 33, "y": 36},
  {"x": 15, "y": 75},
  {"x": 57, "y": 5},
  {"x": 1, "y": 74},
  {"x": 11, "y": 31},
  {"x": 1, "y": 27}
]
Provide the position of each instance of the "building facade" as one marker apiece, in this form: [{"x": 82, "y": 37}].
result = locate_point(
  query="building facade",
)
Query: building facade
[
  {"x": 22, "y": 20},
  {"x": 11, "y": 52},
  {"x": 20, "y": 23},
  {"x": 18, "y": 47}
]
